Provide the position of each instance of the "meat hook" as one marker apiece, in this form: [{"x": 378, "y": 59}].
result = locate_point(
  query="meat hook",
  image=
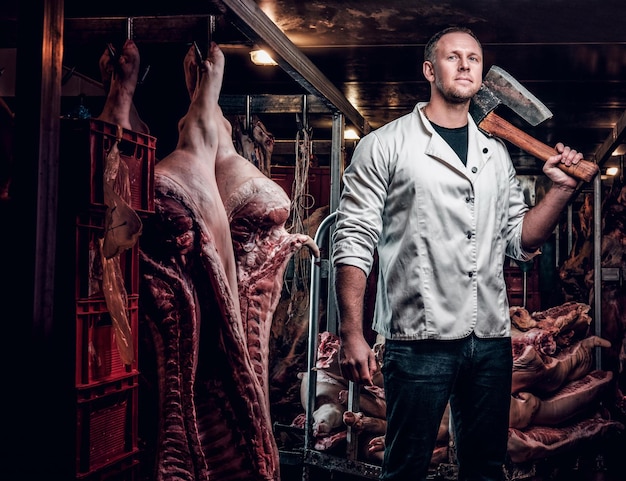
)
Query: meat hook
[
  {"x": 68, "y": 75},
  {"x": 199, "y": 57},
  {"x": 143, "y": 76},
  {"x": 112, "y": 53}
]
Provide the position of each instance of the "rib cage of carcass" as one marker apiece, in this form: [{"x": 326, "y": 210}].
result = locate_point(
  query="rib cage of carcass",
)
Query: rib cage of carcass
[{"x": 212, "y": 263}]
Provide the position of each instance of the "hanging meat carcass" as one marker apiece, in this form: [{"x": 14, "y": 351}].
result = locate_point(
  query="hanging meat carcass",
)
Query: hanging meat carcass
[
  {"x": 254, "y": 143},
  {"x": 577, "y": 277},
  {"x": 613, "y": 294},
  {"x": 122, "y": 225},
  {"x": 212, "y": 262}
]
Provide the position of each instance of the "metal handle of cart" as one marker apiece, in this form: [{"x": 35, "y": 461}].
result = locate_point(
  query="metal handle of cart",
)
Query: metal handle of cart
[
  {"x": 312, "y": 457},
  {"x": 314, "y": 293}
]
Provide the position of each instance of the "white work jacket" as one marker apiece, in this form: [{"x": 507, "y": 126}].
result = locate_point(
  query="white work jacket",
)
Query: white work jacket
[{"x": 442, "y": 229}]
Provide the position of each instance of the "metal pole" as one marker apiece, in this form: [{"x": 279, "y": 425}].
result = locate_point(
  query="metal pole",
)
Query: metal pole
[
  {"x": 313, "y": 332},
  {"x": 597, "y": 263},
  {"x": 336, "y": 171}
]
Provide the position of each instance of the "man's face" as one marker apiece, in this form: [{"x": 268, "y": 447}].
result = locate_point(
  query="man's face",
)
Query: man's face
[{"x": 458, "y": 67}]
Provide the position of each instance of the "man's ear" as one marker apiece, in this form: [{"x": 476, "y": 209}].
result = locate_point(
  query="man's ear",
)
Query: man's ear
[{"x": 428, "y": 69}]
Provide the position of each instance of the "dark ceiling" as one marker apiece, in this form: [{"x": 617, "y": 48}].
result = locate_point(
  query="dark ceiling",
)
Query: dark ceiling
[{"x": 570, "y": 54}]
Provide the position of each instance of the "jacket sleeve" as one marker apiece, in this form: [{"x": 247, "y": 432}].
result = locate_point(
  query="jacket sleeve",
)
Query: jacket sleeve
[
  {"x": 360, "y": 211},
  {"x": 517, "y": 210}
]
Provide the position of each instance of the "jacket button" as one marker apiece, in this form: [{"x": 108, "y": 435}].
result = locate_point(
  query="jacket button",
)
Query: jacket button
[
  {"x": 474, "y": 170},
  {"x": 485, "y": 150}
]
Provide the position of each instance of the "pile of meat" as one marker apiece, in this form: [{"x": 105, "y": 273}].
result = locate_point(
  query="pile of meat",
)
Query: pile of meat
[
  {"x": 558, "y": 398},
  {"x": 332, "y": 418}
]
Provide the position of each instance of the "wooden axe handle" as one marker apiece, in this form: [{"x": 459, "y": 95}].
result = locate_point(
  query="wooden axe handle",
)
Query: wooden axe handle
[{"x": 495, "y": 125}]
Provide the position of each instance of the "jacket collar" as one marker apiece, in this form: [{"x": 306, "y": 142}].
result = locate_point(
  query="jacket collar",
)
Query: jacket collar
[{"x": 479, "y": 149}]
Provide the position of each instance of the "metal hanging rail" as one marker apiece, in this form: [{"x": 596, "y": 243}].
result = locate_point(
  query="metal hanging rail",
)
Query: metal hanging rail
[{"x": 253, "y": 23}]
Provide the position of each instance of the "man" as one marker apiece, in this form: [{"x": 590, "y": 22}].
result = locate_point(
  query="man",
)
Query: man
[{"x": 440, "y": 203}]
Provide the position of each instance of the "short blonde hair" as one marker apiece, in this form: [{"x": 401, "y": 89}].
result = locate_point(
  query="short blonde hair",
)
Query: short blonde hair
[{"x": 431, "y": 45}]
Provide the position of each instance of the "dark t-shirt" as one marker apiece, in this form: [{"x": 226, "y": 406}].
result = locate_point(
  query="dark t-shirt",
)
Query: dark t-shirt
[{"x": 456, "y": 138}]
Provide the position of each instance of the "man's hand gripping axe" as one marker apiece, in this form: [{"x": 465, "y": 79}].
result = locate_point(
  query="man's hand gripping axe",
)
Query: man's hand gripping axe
[{"x": 499, "y": 87}]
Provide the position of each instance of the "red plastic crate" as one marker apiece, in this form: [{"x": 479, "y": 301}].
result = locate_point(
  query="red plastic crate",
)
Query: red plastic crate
[
  {"x": 533, "y": 300},
  {"x": 514, "y": 279},
  {"x": 97, "y": 357},
  {"x": 126, "y": 469},
  {"x": 89, "y": 231},
  {"x": 85, "y": 145},
  {"x": 106, "y": 430}
]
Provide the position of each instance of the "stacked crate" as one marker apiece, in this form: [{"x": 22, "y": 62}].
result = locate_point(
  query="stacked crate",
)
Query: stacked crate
[
  {"x": 514, "y": 278},
  {"x": 106, "y": 387}
]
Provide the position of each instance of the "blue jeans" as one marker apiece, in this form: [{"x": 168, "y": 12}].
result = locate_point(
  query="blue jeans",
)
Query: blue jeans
[{"x": 420, "y": 377}]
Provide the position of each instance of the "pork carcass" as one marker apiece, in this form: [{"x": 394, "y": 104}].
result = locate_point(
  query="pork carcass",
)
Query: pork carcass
[
  {"x": 580, "y": 261},
  {"x": 331, "y": 388},
  {"x": 331, "y": 399},
  {"x": 538, "y": 373},
  {"x": 551, "y": 329},
  {"x": 212, "y": 260},
  {"x": 255, "y": 143},
  {"x": 122, "y": 225},
  {"x": 573, "y": 399},
  {"x": 257, "y": 209},
  {"x": 541, "y": 442}
]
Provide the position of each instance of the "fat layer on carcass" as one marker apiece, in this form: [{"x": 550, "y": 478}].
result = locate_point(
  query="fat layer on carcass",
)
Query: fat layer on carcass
[{"x": 212, "y": 262}]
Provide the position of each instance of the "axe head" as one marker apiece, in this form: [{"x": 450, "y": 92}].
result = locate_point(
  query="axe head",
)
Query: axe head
[{"x": 499, "y": 87}]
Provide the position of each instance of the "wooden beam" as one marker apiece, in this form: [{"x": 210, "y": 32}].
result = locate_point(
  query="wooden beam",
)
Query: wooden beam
[
  {"x": 43, "y": 359},
  {"x": 253, "y": 23}
]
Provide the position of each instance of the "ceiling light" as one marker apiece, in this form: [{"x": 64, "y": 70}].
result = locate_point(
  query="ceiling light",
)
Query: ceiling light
[
  {"x": 350, "y": 134},
  {"x": 620, "y": 150},
  {"x": 261, "y": 57},
  {"x": 612, "y": 171}
]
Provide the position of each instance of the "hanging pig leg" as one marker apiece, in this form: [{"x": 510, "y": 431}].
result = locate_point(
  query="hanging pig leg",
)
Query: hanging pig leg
[
  {"x": 192, "y": 164},
  {"x": 120, "y": 72}
]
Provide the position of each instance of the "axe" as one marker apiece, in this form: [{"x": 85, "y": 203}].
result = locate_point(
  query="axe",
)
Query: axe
[{"x": 499, "y": 87}]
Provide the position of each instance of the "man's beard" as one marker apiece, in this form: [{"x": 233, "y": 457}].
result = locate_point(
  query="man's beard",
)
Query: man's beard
[{"x": 453, "y": 95}]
